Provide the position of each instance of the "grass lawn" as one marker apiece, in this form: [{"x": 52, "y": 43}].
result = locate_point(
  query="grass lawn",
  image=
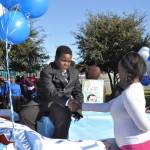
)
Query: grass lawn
[{"x": 147, "y": 96}]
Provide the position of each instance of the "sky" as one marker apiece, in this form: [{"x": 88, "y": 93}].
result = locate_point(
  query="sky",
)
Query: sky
[{"x": 64, "y": 17}]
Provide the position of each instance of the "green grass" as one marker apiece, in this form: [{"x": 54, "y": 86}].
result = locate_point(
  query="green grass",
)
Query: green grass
[{"x": 147, "y": 97}]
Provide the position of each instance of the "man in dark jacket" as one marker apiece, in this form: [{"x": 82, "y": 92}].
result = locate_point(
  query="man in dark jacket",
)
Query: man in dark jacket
[{"x": 59, "y": 92}]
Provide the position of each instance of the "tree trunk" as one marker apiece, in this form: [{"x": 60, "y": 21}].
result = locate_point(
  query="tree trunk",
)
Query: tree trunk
[{"x": 111, "y": 81}]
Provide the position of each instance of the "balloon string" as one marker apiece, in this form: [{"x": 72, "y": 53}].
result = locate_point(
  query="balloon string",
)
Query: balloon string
[{"x": 10, "y": 97}]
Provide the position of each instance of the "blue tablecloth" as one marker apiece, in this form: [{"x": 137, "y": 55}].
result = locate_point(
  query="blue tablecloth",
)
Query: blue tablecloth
[{"x": 94, "y": 126}]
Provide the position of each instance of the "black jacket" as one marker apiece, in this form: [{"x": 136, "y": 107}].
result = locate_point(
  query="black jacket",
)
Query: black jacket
[{"x": 52, "y": 86}]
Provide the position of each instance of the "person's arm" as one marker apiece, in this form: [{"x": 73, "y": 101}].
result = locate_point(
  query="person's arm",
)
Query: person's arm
[
  {"x": 98, "y": 107},
  {"x": 74, "y": 103},
  {"x": 134, "y": 103},
  {"x": 77, "y": 90},
  {"x": 45, "y": 84}
]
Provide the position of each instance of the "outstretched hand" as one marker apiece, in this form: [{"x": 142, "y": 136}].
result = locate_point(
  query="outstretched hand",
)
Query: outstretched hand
[
  {"x": 74, "y": 105},
  {"x": 77, "y": 115}
]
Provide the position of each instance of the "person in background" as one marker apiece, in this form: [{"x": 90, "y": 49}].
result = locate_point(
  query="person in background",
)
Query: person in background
[
  {"x": 2, "y": 100},
  {"x": 31, "y": 89},
  {"x": 131, "y": 125},
  {"x": 15, "y": 93},
  {"x": 59, "y": 94},
  {"x": 21, "y": 82},
  {"x": 93, "y": 72}
]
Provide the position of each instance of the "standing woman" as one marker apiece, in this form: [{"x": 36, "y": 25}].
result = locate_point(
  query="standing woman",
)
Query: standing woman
[{"x": 131, "y": 125}]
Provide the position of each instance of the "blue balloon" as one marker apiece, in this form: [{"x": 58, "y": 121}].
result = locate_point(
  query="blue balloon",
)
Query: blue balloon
[
  {"x": 145, "y": 80},
  {"x": 33, "y": 8},
  {"x": 14, "y": 27},
  {"x": 8, "y": 3},
  {"x": 148, "y": 59}
]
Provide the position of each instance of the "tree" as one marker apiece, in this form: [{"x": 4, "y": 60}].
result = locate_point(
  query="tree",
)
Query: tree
[
  {"x": 105, "y": 38},
  {"x": 28, "y": 56},
  {"x": 2, "y": 59}
]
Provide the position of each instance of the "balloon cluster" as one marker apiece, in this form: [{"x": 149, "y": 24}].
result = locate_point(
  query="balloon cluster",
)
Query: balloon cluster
[
  {"x": 14, "y": 21},
  {"x": 145, "y": 53},
  {"x": 15, "y": 28}
]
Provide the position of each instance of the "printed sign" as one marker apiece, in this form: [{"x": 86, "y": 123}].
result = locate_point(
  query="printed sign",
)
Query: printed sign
[{"x": 93, "y": 90}]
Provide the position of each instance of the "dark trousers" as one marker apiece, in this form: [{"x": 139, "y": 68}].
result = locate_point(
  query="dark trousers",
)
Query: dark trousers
[
  {"x": 61, "y": 118},
  {"x": 28, "y": 114},
  {"x": 16, "y": 100}
]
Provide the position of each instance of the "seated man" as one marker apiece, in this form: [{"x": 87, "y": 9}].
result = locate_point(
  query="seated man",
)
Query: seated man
[{"x": 59, "y": 94}]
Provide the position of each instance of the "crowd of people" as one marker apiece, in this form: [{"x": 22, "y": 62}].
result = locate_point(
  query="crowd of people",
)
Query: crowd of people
[
  {"x": 22, "y": 91},
  {"x": 58, "y": 95}
]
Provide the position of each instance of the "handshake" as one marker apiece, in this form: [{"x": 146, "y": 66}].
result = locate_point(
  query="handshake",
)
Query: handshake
[
  {"x": 74, "y": 105},
  {"x": 76, "y": 109}
]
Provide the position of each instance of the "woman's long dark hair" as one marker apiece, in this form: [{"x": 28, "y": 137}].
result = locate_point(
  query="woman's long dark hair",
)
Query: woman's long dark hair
[{"x": 134, "y": 65}]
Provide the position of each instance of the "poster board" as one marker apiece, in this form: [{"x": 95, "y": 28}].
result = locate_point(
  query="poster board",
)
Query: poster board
[{"x": 93, "y": 90}]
